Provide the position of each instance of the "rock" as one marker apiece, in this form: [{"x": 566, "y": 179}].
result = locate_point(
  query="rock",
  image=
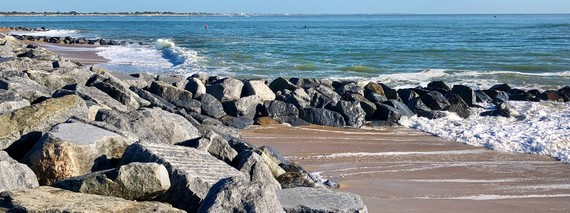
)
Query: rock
[
  {"x": 192, "y": 172},
  {"x": 134, "y": 181},
  {"x": 179, "y": 97},
  {"x": 482, "y": 97},
  {"x": 73, "y": 149},
  {"x": 401, "y": 107},
  {"x": 458, "y": 106},
  {"x": 551, "y": 96},
  {"x": 25, "y": 87},
  {"x": 520, "y": 95},
  {"x": 258, "y": 88},
  {"x": 435, "y": 101},
  {"x": 243, "y": 107},
  {"x": 407, "y": 95},
  {"x": 166, "y": 127},
  {"x": 227, "y": 89},
  {"x": 280, "y": 84},
  {"x": 350, "y": 88},
  {"x": 305, "y": 82},
  {"x": 21, "y": 64},
  {"x": 565, "y": 92},
  {"x": 504, "y": 96},
  {"x": 296, "y": 179},
  {"x": 204, "y": 119},
  {"x": 323, "y": 117},
  {"x": 216, "y": 145},
  {"x": 39, "y": 117},
  {"x": 253, "y": 166},
  {"x": 116, "y": 89},
  {"x": 375, "y": 98},
  {"x": 49, "y": 199},
  {"x": 353, "y": 114},
  {"x": 135, "y": 80},
  {"x": 50, "y": 80},
  {"x": 501, "y": 87},
  {"x": 299, "y": 98},
  {"x": 212, "y": 106},
  {"x": 387, "y": 113},
  {"x": 302, "y": 199},
  {"x": 225, "y": 131},
  {"x": 439, "y": 86},
  {"x": 177, "y": 81},
  {"x": 502, "y": 108},
  {"x": 373, "y": 88},
  {"x": 390, "y": 93},
  {"x": 323, "y": 97},
  {"x": 10, "y": 101},
  {"x": 280, "y": 111},
  {"x": 466, "y": 93},
  {"x": 154, "y": 100},
  {"x": 14, "y": 175},
  {"x": 237, "y": 122},
  {"x": 238, "y": 195},
  {"x": 266, "y": 121},
  {"x": 92, "y": 94},
  {"x": 418, "y": 107},
  {"x": 196, "y": 87}
]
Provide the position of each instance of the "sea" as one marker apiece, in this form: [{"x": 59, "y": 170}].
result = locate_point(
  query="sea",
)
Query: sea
[{"x": 524, "y": 51}]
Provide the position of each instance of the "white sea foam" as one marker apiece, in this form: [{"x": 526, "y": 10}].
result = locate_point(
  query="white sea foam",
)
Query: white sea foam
[
  {"x": 380, "y": 154},
  {"x": 536, "y": 128},
  {"x": 51, "y": 33},
  {"x": 501, "y": 197}
]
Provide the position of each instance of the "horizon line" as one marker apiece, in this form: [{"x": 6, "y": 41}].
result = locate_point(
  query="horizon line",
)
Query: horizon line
[{"x": 15, "y": 13}]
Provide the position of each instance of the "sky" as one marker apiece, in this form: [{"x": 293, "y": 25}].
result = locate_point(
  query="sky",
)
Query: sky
[{"x": 297, "y": 6}]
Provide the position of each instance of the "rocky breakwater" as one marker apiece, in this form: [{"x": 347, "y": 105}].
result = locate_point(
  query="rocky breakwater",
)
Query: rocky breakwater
[
  {"x": 81, "y": 139},
  {"x": 21, "y": 35}
]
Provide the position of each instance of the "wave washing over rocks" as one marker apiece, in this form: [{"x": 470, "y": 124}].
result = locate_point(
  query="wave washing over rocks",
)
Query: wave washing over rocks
[{"x": 80, "y": 139}]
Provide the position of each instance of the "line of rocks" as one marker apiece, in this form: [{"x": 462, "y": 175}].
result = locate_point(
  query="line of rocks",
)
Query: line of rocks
[
  {"x": 81, "y": 139},
  {"x": 37, "y": 29},
  {"x": 69, "y": 40}
]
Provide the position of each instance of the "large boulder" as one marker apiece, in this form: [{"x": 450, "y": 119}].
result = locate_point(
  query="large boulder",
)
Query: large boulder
[
  {"x": 258, "y": 88},
  {"x": 10, "y": 101},
  {"x": 238, "y": 195},
  {"x": 352, "y": 112},
  {"x": 375, "y": 88},
  {"x": 215, "y": 144},
  {"x": 134, "y": 181},
  {"x": 253, "y": 166},
  {"x": 50, "y": 80},
  {"x": 25, "y": 87},
  {"x": 39, "y": 117},
  {"x": 303, "y": 199},
  {"x": 323, "y": 117},
  {"x": 280, "y": 84},
  {"x": 458, "y": 106},
  {"x": 390, "y": 93},
  {"x": 387, "y": 113},
  {"x": 179, "y": 97},
  {"x": 435, "y": 101},
  {"x": 49, "y": 199},
  {"x": 154, "y": 100},
  {"x": 227, "y": 89},
  {"x": 116, "y": 89},
  {"x": 196, "y": 87},
  {"x": 94, "y": 95},
  {"x": 212, "y": 106},
  {"x": 152, "y": 125},
  {"x": 419, "y": 108},
  {"x": 299, "y": 98},
  {"x": 401, "y": 107},
  {"x": 466, "y": 93},
  {"x": 192, "y": 172},
  {"x": 439, "y": 86},
  {"x": 407, "y": 95},
  {"x": 280, "y": 111},
  {"x": 73, "y": 149},
  {"x": 243, "y": 107},
  {"x": 323, "y": 97},
  {"x": 15, "y": 175}
]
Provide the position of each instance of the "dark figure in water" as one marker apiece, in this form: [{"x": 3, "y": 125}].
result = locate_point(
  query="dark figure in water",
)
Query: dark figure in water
[
  {"x": 305, "y": 26},
  {"x": 206, "y": 26}
]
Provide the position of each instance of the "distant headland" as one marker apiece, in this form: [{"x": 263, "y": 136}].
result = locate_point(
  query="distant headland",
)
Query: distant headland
[{"x": 137, "y": 13}]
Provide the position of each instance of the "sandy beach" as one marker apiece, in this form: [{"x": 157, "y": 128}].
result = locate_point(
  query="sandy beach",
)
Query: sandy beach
[
  {"x": 403, "y": 170},
  {"x": 86, "y": 54}
]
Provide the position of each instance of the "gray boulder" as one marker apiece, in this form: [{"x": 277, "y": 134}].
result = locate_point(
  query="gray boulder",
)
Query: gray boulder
[
  {"x": 212, "y": 106},
  {"x": 387, "y": 113},
  {"x": 466, "y": 93},
  {"x": 401, "y": 107},
  {"x": 299, "y": 98},
  {"x": 152, "y": 125},
  {"x": 216, "y": 145},
  {"x": 92, "y": 94},
  {"x": 238, "y": 195},
  {"x": 435, "y": 101},
  {"x": 10, "y": 101},
  {"x": 258, "y": 88},
  {"x": 25, "y": 87},
  {"x": 302, "y": 199},
  {"x": 134, "y": 181},
  {"x": 243, "y": 107},
  {"x": 237, "y": 122},
  {"x": 73, "y": 149},
  {"x": 389, "y": 92},
  {"x": 192, "y": 172},
  {"x": 227, "y": 89},
  {"x": 50, "y": 80},
  {"x": 154, "y": 100},
  {"x": 323, "y": 97},
  {"x": 280, "y": 111},
  {"x": 253, "y": 166},
  {"x": 49, "y": 199},
  {"x": 323, "y": 117},
  {"x": 179, "y": 97},
  {"x": 280, "y": 84},
  {"x": 14, "y": 175},
  {"x": 117, "y": 89},
  {"x": 458, "y": 106},
  {"x": 196, "y": 87},
  {"x": 39, "y": 117},
  {"x": 352, "y": 112}
]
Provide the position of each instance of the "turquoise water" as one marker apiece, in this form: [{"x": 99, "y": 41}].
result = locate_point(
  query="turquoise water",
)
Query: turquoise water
[{"x": 524, "y": 50}]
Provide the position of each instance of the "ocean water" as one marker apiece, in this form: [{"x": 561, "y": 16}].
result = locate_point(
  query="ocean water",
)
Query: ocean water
[{"x": 525, "y": 51}]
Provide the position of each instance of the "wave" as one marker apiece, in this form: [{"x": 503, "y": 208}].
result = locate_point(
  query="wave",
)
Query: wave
[
  {"x": 173, "y": 53},
  {"x": 50, "y": 33}
]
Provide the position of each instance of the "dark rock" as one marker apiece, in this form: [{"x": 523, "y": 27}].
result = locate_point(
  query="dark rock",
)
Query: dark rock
[
  {"x": 323, "y": 117},
  {"x": 466, "y": 93},
  {"x": 281, "y": 84},
  {"x": 323, "y": 97},
  {"x": 387, "y": 113},
  {"x": 401, "y": 107},
  {"x": 382, "y": 124},
  {"x": 353, "y": 113},
  {"x": 502, "y": 108},
  {"x": 204, "y": 119},
  {"x": 375, "y": 98},
  {"x": 196, "y": 87},
  {"x": 350, "y": 88},
  {"x": 458, "y": 106},
  {"x": 418, "y": 107},
  {"x": 501, "y": 87},
  {"x": 390, "y": 93},
  {"x": 178, "y": 97},
  {"x": 304, "y": 82},
  {"x": 551, "y": 96},
  {"x": 482, "y": 97},
  {"x": 373, "y": 88},
  {"x": 520, "y": 95},
  {"x": 407, "y": 95},
  {"x": 280, "y": 111},
  {"x": 299, "y": 98},
  {"x": 435, "y": 101},
  {"x": 295, "y": 179},
  {"x": 438, "y": 86},
  {"x": 212, "y": 106},
  {"x": 564, "y": 92},
  {"x": 237, "y": 122}
]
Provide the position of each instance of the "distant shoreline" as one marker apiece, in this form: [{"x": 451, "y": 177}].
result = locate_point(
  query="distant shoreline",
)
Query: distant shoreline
[{"x": 197, "y": 14}]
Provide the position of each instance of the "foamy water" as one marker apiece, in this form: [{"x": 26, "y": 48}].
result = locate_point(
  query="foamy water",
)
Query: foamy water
[
  {"x": 50, "y": 33},
  {"x": 536, "y": 128}
]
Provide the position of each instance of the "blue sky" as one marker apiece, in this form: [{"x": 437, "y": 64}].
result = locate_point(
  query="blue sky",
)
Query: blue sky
[{"x": 297, "y": 6}]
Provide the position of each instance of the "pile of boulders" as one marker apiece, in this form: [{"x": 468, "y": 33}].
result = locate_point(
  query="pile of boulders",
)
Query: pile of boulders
[
  {"x": 69, "y": 40},
  {"x": 26, "y": 29},
  {"x": 80, "y": 139}
]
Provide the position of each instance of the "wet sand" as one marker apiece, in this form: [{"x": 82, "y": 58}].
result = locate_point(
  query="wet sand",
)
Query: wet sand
[
  {"x": 86, "y": 54},
  {"x": 403, "y": 170}
]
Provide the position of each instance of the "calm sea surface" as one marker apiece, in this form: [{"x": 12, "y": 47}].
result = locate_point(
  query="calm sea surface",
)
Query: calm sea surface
[{"x": 480, "y": 50}]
